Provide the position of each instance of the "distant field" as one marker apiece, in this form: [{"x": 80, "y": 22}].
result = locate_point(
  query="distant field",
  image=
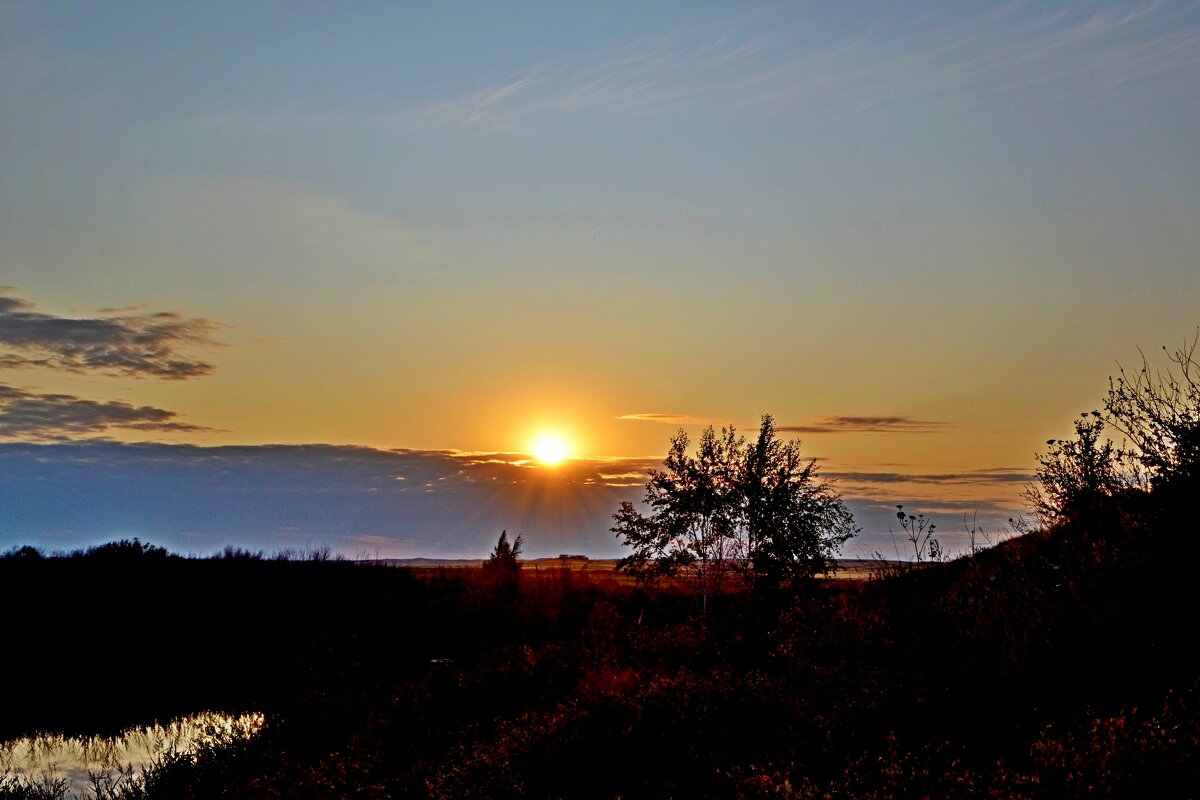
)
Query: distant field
[{"x": 847, "y": 569}]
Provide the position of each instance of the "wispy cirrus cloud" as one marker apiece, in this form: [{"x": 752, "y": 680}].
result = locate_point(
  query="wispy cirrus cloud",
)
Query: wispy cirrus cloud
[
  {"x": 649, "y": 75},
  {"x": 114, "y": 342},
  {"x": 867, "y": 424},
  {"x": 484, "y": 107},
  {"x": 951, "y": 58},
  {"x": 31, "y": 416}
]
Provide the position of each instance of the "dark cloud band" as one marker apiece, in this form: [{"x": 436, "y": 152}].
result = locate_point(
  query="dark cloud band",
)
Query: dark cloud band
[
  {"x": 867, "y": 424},
  {"x": 49, "y": 417},
  {"x": 147, "y": 345},
  {"x": 983, "y": 476}
]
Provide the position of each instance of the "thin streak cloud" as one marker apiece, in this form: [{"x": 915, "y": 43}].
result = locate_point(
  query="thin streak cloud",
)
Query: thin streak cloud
[
  {"x": 478, "y": 108},
  {"x": 867, "y": 424},
  {"x": 673, "y": 419},
  {"x": 1006, "y": 49},
  {"x": 831, "y": 424}
]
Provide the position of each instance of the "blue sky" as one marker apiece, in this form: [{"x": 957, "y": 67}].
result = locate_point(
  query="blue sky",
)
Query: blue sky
[{"x": 445, "y": 227}]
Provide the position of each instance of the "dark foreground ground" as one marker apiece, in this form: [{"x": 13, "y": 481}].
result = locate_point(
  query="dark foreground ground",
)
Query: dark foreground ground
[{"x": 1055, "y": 665}]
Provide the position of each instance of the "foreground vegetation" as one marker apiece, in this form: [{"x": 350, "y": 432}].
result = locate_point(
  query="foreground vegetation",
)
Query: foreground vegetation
[
  {"x": 1057, "y": 664},
  {"x": 1045, "y": 667}
]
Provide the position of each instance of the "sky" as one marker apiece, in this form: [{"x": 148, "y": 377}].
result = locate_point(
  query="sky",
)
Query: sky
[{"x": 286, "y": 274}]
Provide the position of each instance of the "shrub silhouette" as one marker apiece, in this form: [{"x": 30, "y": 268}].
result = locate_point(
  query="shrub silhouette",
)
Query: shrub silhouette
[
  {"x": 1159, "y": 411},
  {"x": 1077, "y": 476},
  {"x": 126, "y": 550},
  {"x": 27, "y": 552}
]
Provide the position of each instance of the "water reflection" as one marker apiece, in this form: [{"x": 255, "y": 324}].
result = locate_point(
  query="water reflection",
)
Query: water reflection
[{"x": 74, "y": 764}]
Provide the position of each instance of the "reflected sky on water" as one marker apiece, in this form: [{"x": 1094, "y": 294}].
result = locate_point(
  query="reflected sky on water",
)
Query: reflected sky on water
[{"x": 82, "y": 761}]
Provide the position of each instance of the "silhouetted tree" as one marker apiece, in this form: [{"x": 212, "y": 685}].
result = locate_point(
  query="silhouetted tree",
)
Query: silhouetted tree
[
  {"x": 697, "y": 505},
  {"x": 504, "y": 556},
  {"x": 760, "y": 508},
  {"x": 795, "y": 523}
]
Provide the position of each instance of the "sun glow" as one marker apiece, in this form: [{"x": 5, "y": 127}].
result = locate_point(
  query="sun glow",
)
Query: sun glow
[{"x": 550, "y": 449}]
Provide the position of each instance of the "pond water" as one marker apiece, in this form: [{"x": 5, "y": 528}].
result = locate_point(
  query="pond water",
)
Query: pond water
[{"x": 77, "y": 764}]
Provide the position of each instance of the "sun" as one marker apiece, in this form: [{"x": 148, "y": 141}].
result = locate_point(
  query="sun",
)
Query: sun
[{"x": 550, "y": 449}]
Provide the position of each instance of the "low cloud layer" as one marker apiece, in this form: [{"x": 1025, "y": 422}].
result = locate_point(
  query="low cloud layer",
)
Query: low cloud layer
[
  {"x": 113, "y": 342},
  {"x": 395, "y": 503},
  {"x": 47, "y": 417},
  {"x": 362, "y": 501}
]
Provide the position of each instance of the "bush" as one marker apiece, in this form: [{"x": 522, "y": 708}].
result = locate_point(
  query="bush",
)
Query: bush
[
  {"x": 1076, "y": 477},
  {"x": 1159, "y": 412}
]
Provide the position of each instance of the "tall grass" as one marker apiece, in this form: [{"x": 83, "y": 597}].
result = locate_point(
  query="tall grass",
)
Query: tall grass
[{"x": 59, "y": 766}]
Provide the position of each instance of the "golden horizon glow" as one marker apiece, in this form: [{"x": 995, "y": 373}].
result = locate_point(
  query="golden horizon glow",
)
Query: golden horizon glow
[{"x": 550, "y": 449}]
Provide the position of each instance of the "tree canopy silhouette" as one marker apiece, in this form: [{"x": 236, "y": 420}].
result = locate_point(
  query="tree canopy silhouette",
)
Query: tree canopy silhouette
[
  {"x": 504, "y": 556},
  {"x": 757, "y": 510}
]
